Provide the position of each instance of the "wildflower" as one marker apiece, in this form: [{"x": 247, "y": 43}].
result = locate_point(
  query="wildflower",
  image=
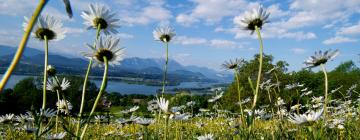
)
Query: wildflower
[
  {"x": 295, "y": 107},
  {"x": 320, "y": 58},
  {"x": 233, "y": 64},
  {"x": 306, "y": 93},
  {"x": 133, "y": 109},
  {"x": 106, "y": 47},
  {"x": 48, "y": 112},
  {"x": 28, "y": 128},
  {"x": 279, "y": 102},
  {"x": 305, "y": 118},
  {"x": 163, "y": 104},
  {"x": 47, "y": 26},
  {"x": 245, "y": 100},
  {"x": 99, "y": 118},
  {"x": 181, "y": 117},
  {"x": 164, "y": 33},
  {"x": 217, "y": 97},
  {"x": 206, "y": 137},
  {"x": 152, "y": 105},
  {"x": 282, "y": 112},
  {"x": 176, "y": 108},
  {"x": 292, "y": 86},
  {"x": 64, "y": 106},
  {"x": 56, "y": 136},
  {"x": 191, "y": 103},
  {"x": 271, "y": 70},
  {"x": 349, "y": 91},
  {"x": 303, "y": 90},
  {"x": 336, "y": 123},
  {"x": 7, "y": 118},
  {"x": 55, "y": 85},
  {"x": 335, "y": 90},
  {"x": 204, "y": 110},
  {"x": 24, "y": 118},
  {"x": 100, "y": 16},
  {"x": 257, "y": 18},
  {"x": 51, "y": 71},
  {"x": 317, "y": 99},
  {"x": 200, "y": 124},
  {"x": 144, "y": 121}
]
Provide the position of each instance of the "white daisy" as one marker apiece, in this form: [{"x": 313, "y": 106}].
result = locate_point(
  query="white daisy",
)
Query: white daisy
[
  {"x": 133, "y": 109},
  {"x": 164, "y": 33},
  {"x": 294, "y": 85},
  {"x": 256, "y": 18},
  {"x": 320, "y": 58},
  {"x": 47, "y": 26},
  {"x": 106, "y": 46},
  {"x": 56, "y": 136},
  {"x": 206, "y": 137},
  {"x": 48, "y": 112},
  {"x": 100, "y": 15},
  {"x": 55, "y": 84},
  {"x": 181, "y": 117},
  {"x": 7, "y": 118},
  {"x": 305, "y": 118},
  {"x": 99, "y": 118},
  {"x": 61, "y": 105},
  {"x": 233, "y": 64},
  {"x": 217, "y": 97},
  {"x": 163, "y": 104},
  {"x": 144, "y": 121}
]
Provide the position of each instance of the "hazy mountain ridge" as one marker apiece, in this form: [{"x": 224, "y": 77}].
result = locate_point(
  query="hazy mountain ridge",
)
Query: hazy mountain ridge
[{"x": 134, "y": 66}]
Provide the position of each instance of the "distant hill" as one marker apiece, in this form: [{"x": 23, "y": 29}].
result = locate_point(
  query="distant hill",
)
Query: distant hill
[{"x": 32, "y": 61}]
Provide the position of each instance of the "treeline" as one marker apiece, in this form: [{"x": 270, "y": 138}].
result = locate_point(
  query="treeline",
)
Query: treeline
[{"x": 341, "y": 78}]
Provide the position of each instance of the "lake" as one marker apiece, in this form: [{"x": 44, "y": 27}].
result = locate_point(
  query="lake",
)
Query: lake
[{"x": 125, "y": 88}]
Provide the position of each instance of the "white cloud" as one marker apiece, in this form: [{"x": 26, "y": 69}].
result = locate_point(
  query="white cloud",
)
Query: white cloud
[
  {"x": 299, "y": 35},
  {"x": 155, "y": 11},
  {"x": 211, "y": 11},
  {"x": 125, "y": 36},
  {"x": 298, "y": 50},
  {"x": 186, "y": 20},
  {"x": 184, "y": 40},
  {"x": 350, "y": 30},
  {"x": 70, "y": 30},
  {"x": 219, "y": 43},
  {"x": 338, "y": 39},
  {"x": 16, "y": 7}
]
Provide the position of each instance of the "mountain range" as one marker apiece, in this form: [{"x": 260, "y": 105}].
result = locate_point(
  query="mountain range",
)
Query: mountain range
[{"x": 135, "y": 67}]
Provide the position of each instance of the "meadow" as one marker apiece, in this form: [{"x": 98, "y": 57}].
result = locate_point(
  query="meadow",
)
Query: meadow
[{"x": 264, "y": 101}]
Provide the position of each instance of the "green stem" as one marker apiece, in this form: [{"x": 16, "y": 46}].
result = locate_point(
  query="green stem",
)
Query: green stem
[
  {"x": 57, "y": 112},
  {"x": 85, "y": 84},
  {"x": 44, "y": 81},
  {"x": 272, "y": 109},
  {"x": 165, "y": 69},
  {"x": 102, "y": 89},
  {"x": 45, "y": 72},
  {"x": 22, "y": 44},
  {"x": 239, "y": 93},
  {"x": 326, "y": 90},
  {"x": 259, "y": 73}
]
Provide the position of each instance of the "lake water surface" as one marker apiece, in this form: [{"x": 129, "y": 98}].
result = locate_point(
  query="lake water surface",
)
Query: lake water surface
[{"x": 124, "y": 88}]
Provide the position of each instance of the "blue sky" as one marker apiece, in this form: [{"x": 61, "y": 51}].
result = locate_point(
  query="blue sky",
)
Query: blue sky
[{"x": 207, "y": 33}]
